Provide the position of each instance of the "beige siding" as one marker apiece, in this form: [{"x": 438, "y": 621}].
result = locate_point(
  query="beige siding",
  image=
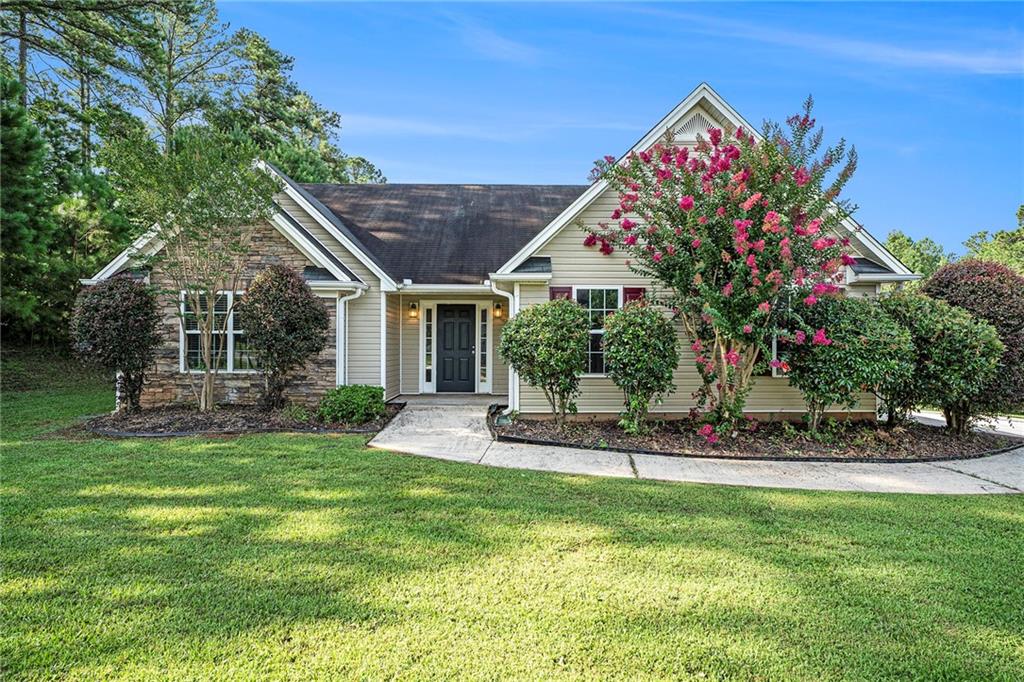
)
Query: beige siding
[
  {"x": 363, "y": 315},
  {"x": 393, "y": 359},
  {"x": 574, "y": 264},
  {"x": 411, "y": 358}
]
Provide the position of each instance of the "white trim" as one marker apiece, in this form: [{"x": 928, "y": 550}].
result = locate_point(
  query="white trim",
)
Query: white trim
[
  {"x": 701, "y": 92},
  {"x": 229, "y": 337},
  {"x": 883, "y": 277},
  {"x": 387, "y": 284},
  {"x": 300, "y": 243},
  {"x": 327, "y": 288},
  {"x": 445, "y": 288},
  {"x": 122, "y": 259},
  {"x": 590, "y": 287},
  {"x": 431, "y": 305},
  {"x": 485, "y": 385},
  {"x": 520, "y": 276},
  {"x": 384, "y": 343}
]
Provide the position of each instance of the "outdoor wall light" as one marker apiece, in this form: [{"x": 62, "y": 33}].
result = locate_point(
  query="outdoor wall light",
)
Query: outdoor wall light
[
  {"x": 414, "y": 310},
  {"x": 497, "y": 310}
]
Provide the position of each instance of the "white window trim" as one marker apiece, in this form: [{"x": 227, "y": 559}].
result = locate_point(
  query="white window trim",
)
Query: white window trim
[
  {"x": 229, "y": 332},
  {"x": 431, "y": 304},
  {"x": 619, "y": 288}
]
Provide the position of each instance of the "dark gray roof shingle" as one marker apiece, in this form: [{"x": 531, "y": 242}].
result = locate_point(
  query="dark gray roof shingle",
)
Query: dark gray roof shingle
[{"x": 444, "y": 234}]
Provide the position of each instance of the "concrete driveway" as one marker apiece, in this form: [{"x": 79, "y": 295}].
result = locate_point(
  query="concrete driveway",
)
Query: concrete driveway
[{"x": 459, "y": 432}]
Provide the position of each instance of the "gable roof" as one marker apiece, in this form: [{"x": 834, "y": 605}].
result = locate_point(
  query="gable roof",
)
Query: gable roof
[
  {"x": 443, "y": 234},
  {"x": 687, "y": 120}
]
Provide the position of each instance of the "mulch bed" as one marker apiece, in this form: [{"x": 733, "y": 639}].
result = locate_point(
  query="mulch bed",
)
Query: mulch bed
[
  {"x": 843, "y": 441},
  {"x": 181, "y": 421}
]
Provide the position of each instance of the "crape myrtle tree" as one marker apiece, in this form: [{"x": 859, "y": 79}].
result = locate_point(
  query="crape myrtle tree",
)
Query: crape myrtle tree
[
  {"x": 736, "y": 230},
  {"x": 203, "y": 200}
]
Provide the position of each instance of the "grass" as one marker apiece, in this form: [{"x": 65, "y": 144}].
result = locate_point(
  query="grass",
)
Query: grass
[{"x": 314, "y": 557}]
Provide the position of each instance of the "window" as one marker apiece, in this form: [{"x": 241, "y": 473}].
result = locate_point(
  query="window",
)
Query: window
[
  {"x": 780, "y": 354},
  {"x": 428, "y": 330},
  {"x": 230, "y": 351},
  {"x": 599, "y": 303},
  {"x": 483, "y": 346}
]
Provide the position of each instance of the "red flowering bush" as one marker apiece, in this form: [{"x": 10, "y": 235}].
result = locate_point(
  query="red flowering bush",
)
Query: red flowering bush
[
  {"x": 868, "y": 350},
  {"x": 994, "y": 293},
  {"x": 738, "y": 230}
]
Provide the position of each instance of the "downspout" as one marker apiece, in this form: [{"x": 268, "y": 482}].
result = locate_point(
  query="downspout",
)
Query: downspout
[
  {"x": 513, "y": 403},
  {"x": 341, "y": 343}
]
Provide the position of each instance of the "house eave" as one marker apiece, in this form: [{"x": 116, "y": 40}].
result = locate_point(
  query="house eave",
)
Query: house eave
[{"x": 520, "y": 276}]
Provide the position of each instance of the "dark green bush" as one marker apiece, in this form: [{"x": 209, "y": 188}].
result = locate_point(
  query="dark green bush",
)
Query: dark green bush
[
  {"x": 546, "y": 344},
  {"x": 865, "y": 350},
  {"x": 114, "y": 326},
  {"x": 994, "y": 293},
  {"x": 285, "y": 324},
  {"x": 640, "y": 355},
  {"x": 955, "y": 356},
  {"x": 355, "y": 404}
]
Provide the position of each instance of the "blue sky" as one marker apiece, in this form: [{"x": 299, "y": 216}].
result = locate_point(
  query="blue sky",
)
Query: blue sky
[{"x": 932, "y": 95}]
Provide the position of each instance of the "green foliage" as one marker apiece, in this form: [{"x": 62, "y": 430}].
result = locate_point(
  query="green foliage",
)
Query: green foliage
[
  {"x": 1004, "y": 246},
  {"x": 868, "y": 351},
  {"x": 923, "y": 256},
  {"x": 297, "y": 412},
  {"x": 955, "y": 356},
  {"x": 354, "y": 404},
  {"x": 546, "y": 344},
  {"x": 114, "y": 326},
  {"x": 994, "y": 293},
  {"x": 25, "y": 215},
  {"x": 640, "y": 354},
  {"x": 285, "y": 323},
  {"x": 204, "y": 200}
]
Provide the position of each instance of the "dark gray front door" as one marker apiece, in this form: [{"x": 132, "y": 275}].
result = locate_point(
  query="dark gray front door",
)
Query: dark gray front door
[{"x": 456, "y": 348}]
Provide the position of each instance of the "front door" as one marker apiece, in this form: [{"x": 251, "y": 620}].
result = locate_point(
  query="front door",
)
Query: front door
[{"x": 456, "y": 348}]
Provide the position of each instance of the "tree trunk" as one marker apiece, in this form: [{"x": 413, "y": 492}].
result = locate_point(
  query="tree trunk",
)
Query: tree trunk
[{"x": 23, "y": 56}]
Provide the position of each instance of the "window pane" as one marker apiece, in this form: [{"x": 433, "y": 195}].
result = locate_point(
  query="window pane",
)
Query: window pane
[
  {"x": 194, "y": 353},
  {"x": 611, "y": 299},
  {"x": 583, "y": 297},
  {"x": 428, "y": 364},
  {"x": 243, "y": 359}
]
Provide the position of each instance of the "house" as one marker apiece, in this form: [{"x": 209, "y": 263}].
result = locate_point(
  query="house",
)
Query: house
[{"x": 420, "y": 279}]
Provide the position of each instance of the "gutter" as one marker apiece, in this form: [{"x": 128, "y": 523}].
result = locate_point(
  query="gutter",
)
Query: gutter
[
  {"x": 341, "y": 341},
  {"x": 513, "y": 394}
]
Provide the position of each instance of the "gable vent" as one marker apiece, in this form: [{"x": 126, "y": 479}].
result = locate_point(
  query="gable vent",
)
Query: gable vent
[{"x": 698, "y": 123}]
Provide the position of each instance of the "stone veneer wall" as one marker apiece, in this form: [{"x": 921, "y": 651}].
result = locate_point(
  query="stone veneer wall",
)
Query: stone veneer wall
[{"x": 166, "y": 385}]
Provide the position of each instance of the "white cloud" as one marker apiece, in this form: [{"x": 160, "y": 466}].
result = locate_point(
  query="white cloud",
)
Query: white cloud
[{"x": 490, "y": 44}]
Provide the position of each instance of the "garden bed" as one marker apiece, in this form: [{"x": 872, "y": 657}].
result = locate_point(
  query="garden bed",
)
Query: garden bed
[
  {"x": 840, "y": 441},
  {"x": 226, "y": 420}
]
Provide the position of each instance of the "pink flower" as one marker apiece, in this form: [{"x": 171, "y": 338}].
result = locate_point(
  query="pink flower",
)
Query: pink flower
[
  {"x": 751, "y": 261},
  {"x": 706, "y": 430},
  {"x": 848, "y": 259},
  {"x": 657, "y": 256},
  {"x": 590, "y": 240},
  {"x": 703, "y": 220},
  {"x": 720, "y": 210},
  {"x": 775, "y": 364},
  {"x": 801, "y": 177},
  {"x": 616, "y": 214},
  {"x": 716, "y": 135},
  {"x": 820, "y": 339},
  {"x": 606, "y": 248},
  {"x": 820, "y": 244},
  {"x": 764, "y": 306},
  {"x": 751, "y": 201},
  {"x": 686, "y": 203},
  {"x": 727, "y": 289},
  {"x": 695, "y": 243},
  {"x": 627, "y": 224},
  {"x": 813, "y": 227},
  {"x": 747, "y": 329},
  {"x": 630, "y": 239},
  {"x": 800, "y": 337},
  {"x": 670, "y": 249},
  {"x": 810, "y": 300},
  {"x": 733, "y": 358},
  {"x": 825, "y": 288},
  {"x": 712, "y": 439}
]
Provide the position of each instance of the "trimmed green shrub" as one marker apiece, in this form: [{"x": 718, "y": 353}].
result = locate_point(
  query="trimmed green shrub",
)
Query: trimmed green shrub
[
  {"x": 354, "y": 404},
  {"x": 114, "y": 326},
  {"x": 994, "y": 293},
  {"x": 955, "y": 356},
  {"x": 546, "y": 344},
  {"x": 285, "y": 324},
  {"x": 640, "y": 355},
  {"x": 865, "y": 350}
]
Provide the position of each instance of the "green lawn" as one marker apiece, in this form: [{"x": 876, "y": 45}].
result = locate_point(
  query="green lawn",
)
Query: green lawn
[{"x": 313, "y": 557}]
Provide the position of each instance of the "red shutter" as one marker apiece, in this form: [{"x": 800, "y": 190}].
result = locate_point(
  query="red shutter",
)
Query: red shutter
[
  {"x": 632, "y": 294},
  {"x": 560, "y": 292}
]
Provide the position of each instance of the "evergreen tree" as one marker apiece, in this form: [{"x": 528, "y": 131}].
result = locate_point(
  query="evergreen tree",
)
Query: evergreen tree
[
  {"x": 923, "y": 256},
  {"x": 25, "y": 212}
]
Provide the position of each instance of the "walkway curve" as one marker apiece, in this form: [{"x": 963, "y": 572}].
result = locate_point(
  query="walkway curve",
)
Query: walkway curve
[{"x": 459, "y": 433}]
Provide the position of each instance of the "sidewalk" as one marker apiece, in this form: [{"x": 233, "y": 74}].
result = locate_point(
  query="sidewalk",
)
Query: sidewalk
[{"x": 459, "y": 433}]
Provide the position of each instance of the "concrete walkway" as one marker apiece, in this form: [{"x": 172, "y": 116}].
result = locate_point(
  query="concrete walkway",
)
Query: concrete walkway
[{"x": 459, "y": 432}]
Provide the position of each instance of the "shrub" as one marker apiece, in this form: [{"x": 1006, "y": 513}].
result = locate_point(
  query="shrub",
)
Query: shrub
[
  {"x": 285, "y": 323},
  {"x": 955, "y": 356},
  {"x": 354, "y": 404},
  {"x": 865, "y": 350},
  {"x": 994, "y": 293},
  {"x": 546, "y": 345},
  {"x": 640, "y": 355},
  {"x": 114, "y": 326}
]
